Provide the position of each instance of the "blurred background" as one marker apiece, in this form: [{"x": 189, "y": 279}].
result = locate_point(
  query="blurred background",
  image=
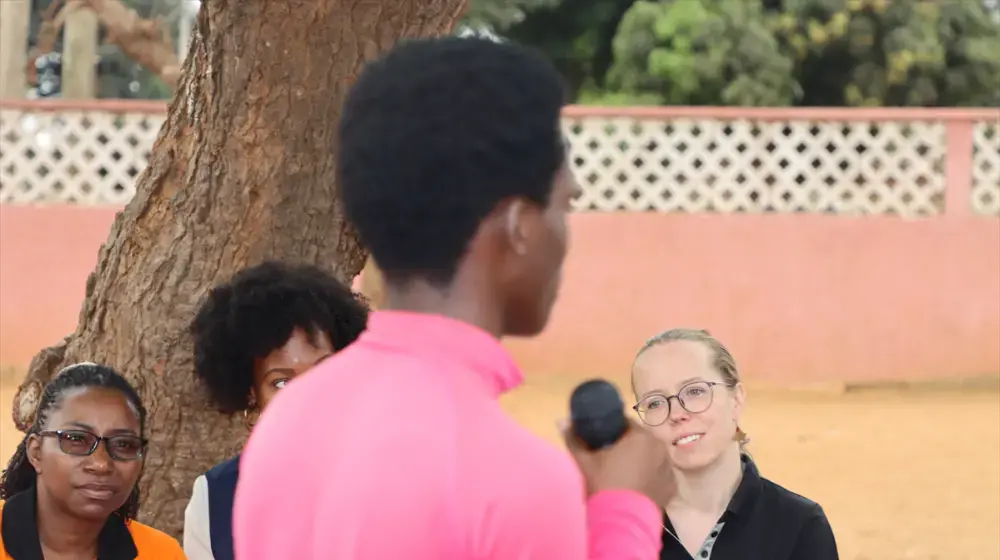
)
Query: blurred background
[{"x": 817, "y": 182}]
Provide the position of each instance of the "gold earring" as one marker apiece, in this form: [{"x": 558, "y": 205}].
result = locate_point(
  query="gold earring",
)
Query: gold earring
[
  {"x": 741, "y": 436},
  {"x": 246, "y": 419}
]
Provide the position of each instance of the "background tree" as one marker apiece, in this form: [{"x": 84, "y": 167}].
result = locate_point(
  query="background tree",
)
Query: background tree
[
  {"x": 577, "y": 35},
  {"x": 842, "y": 52},
  {"x": 891, "y": 53},
  {"x": 137, "y": 54},
  {"x": 139, "y": 39},
  {"x": 242, "y": 171},
  {"x": 766, "y": 52},
  {"x": 707, "y": 52}
]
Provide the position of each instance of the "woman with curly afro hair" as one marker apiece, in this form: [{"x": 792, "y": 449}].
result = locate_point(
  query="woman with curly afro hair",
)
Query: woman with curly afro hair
[{"x": 252, "y": 335}]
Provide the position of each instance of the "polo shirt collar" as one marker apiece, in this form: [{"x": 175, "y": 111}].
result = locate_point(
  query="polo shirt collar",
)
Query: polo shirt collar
[
  {"x": 19, "y": 532},
  {"x": 443, "y": 338},
  {"x": 748, "y": 489}
]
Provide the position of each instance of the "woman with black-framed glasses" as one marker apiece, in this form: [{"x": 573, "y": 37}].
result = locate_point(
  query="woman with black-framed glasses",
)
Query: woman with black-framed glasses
[
  {"x": 688, "y": 391},
  {"x": 71, "y": 488}
]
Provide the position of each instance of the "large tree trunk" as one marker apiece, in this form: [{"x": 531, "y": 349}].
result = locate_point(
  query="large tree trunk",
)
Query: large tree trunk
[{"x": 243, "y": 170}]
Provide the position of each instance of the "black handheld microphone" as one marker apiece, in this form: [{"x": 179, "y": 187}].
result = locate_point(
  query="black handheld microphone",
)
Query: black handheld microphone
[{"x": 597, "y": 415}]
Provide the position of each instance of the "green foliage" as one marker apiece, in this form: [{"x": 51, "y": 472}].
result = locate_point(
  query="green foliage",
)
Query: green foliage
[
  {"x": 892, "y": 53},
  {"x": 577, "y": 36},
  {"x": 773, "y": 52},
  {"x": 596, "y": 96},
  {"x": 696, "y": 52},
  {"x": 716, "y": 52}
]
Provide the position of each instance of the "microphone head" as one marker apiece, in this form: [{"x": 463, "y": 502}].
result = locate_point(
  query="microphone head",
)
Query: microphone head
[{"x": 597, "y": 415}]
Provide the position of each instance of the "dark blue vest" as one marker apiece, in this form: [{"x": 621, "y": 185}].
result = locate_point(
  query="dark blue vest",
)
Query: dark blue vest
[{"x": 221, "y": 494}]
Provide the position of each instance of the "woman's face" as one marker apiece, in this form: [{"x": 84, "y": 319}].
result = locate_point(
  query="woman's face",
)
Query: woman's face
[
  {"x": 694, "y": 440},
  {"x": 298, "y": 355},
  {"x": 91, "y": 486}
]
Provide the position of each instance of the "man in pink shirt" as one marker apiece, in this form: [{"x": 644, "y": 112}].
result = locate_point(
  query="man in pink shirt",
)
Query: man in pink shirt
[{"x": 453, "y": 169}]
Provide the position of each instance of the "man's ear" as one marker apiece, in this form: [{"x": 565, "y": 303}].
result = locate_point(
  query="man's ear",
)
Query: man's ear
[{"x": 514, "y": 226}]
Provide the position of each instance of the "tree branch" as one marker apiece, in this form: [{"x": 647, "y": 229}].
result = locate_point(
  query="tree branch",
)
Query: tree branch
[
  {"x": 142, "y": 40},
  {"x": 40, "y": 372}
]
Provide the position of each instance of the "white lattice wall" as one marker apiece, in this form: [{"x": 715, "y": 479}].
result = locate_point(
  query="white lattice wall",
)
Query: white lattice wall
[
  {"x": 709, "y": 165},
  {"x": 84, "y": 157},
  {"x": 632, "y": 163},
  {"x": 986, "y": 168}
]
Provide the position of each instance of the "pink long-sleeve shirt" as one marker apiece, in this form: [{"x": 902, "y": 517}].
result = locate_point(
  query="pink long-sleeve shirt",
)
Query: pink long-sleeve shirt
[{"x": 397, "y": 448}]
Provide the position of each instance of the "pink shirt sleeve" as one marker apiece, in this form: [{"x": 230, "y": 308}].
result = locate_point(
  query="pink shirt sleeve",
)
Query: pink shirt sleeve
[
  {"x": 547, "y": 517},
  {"x": 623, "y": 524}
]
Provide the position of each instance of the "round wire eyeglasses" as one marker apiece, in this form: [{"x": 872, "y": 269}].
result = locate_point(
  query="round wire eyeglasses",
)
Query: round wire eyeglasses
[{"x": 695, "y": 397}]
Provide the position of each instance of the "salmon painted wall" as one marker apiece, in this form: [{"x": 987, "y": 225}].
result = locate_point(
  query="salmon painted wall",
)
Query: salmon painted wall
[{"x": 796, "y": 297}]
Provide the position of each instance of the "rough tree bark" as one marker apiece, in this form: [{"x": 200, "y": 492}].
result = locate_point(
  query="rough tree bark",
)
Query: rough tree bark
[{"x": 242, "y": 170}]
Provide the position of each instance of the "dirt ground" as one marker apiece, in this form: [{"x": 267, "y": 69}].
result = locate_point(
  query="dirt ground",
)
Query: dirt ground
[{"x": 902, "y": 475}]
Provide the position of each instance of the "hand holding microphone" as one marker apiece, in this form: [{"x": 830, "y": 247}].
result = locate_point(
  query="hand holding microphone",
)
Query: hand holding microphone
[
  {"x": 597, "y": 414},
  {"x": 614, "y": 453}
]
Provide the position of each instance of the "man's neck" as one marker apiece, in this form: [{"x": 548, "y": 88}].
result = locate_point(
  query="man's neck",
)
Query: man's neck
[
  {"x": 709, "y": 490},
  {"x": 64, "y": 536},
  {"x": 454, "y": 302}
]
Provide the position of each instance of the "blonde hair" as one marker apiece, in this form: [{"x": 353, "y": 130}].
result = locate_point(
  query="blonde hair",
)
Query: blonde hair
[{"x": 722, "y": 360}]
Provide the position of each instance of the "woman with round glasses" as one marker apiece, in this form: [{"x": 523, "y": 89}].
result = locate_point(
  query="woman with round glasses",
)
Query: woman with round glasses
[
  {"x": 689, "y": 392},
  {"x": 71, "y": 488}
]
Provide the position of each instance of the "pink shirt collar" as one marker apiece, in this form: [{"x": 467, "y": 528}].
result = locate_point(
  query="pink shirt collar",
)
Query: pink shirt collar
[{"x": 440, "y": 337}]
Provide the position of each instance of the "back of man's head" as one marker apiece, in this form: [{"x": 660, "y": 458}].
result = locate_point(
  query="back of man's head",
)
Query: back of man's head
[{"x": 434, "y": 136}]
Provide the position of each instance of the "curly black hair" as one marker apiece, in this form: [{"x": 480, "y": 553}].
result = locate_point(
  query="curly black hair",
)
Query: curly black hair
[
  {"x": 433, "y": 136},
  {"x": 255, "y": 313},
  {"x": 20, "y": 475}
]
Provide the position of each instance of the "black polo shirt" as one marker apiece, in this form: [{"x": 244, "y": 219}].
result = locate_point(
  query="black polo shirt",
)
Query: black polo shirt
[
  {"x": 19, "y": 532},
  {"x": 762, "y": 522}
]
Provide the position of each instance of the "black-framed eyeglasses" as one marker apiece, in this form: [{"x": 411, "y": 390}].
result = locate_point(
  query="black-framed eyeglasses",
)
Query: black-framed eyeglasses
[
  {"x": 695, "y": 397},
  {"x": 83, "y": 443}
]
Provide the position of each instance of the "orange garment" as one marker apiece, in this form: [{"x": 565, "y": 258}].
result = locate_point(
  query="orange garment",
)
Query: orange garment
[{"x": 150, "y": 543}]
